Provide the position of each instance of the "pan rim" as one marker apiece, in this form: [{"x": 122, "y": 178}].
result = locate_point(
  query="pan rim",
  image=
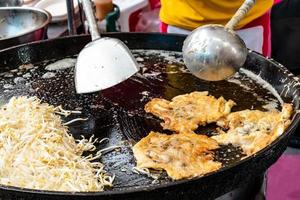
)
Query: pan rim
[{"x": 287, "y": 133}]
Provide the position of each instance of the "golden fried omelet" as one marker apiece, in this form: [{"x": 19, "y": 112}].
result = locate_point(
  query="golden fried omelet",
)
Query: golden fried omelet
[
  {"x": 186, "y": 112},
  {"x": 253, "y": 130},
  {"x": 183, "y": 155}
]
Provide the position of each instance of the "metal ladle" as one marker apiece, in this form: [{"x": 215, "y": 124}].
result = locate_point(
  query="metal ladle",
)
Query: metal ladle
[
  {"x": 104, "y": 62},
  {"x": 214, "y": 52}
]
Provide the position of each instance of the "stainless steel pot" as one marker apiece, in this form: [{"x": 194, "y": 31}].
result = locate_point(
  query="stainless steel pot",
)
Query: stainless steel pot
[
  {"x": 21, "y": 25},
  {"x": 4, "y": 3}
]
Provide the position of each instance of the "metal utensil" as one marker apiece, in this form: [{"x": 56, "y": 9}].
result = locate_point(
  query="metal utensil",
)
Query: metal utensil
[
  {"x": 104, "y": 62},
  {"x": 214, "y": 52},
  {"x": 71, "y": 17}
]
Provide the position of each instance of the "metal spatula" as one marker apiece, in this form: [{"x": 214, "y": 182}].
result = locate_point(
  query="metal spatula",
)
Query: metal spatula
[{"x": 104, "y": 62}]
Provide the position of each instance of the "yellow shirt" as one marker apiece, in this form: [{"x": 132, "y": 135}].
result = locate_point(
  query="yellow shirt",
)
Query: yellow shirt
[{"x": 189, "y": 14}]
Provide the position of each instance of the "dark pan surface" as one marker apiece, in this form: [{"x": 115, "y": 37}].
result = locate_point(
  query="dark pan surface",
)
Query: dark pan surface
[{"x": 118, "y": 114}]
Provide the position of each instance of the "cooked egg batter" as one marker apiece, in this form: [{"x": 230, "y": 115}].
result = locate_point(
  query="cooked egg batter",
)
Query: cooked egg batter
[
  {"x": 186, "y": 112},
  {"x": 252, "y": 130},
  {"x": 184, "y": 155}
]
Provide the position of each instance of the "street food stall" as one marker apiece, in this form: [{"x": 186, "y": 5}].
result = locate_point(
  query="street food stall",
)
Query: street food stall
[{"x": 97, "y": 104}]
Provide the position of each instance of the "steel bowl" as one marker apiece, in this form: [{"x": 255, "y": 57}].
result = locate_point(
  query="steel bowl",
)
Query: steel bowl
[
  {"x": 21, "y": 25},
  {"x": 5, "y": 3}
]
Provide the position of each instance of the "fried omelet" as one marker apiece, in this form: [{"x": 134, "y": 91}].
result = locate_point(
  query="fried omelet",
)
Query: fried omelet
[
  {"x": 183, "y": 155},
  {"x": 186, "y": 112},
  {"x": 253, "y": 130},
  {"x": 186, "y": 154}
]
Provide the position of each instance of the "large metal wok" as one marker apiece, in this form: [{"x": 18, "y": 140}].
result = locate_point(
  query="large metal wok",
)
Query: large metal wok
[{"x": 118, "y": 113}]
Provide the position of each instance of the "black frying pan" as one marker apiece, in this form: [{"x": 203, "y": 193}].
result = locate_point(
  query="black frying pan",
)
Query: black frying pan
[{"x": 118, "y": 113}]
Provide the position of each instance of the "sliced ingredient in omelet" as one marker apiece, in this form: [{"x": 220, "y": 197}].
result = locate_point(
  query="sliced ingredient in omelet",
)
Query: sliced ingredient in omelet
[
  {"x": 186, "y": 112},
  {"x": 252, "y": 130},
  {"x": 184, "y": 155}
]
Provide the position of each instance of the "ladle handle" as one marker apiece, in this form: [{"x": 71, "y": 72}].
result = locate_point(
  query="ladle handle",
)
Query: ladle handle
[
  {"x": 240, "y": 14},
  {"x": 91, "y": 19}
]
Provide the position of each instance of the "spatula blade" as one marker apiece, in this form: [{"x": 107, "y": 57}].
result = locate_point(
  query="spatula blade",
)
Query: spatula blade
[{"x": 103, "y": 63}]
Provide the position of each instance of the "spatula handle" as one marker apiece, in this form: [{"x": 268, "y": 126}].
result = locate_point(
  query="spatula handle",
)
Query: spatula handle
[
  {"x": 91, "y": 19},
  {"x": 240, "y": 14}
]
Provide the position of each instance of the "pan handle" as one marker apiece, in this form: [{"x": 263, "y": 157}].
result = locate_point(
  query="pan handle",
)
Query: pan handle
[{"x": 91, "y": 19}]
